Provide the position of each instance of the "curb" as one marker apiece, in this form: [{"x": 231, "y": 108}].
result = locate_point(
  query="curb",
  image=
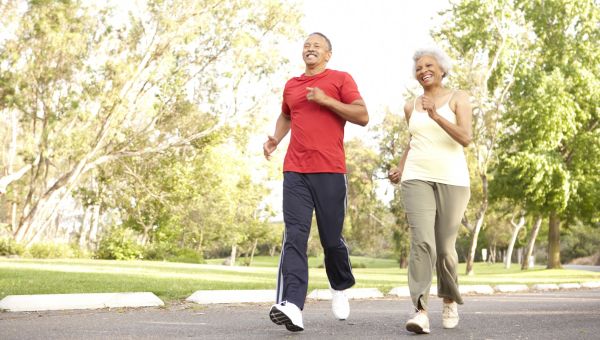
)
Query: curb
[
  {"x": 44, "y": 302},
  {"x": 351, "y": 293},
  {"x": 232, "y": 296}
]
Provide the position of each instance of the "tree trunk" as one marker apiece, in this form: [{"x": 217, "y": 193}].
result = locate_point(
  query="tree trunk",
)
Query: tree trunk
[
  {"x": 473, "y": 247},
  {"x": 85, "y": 227},
  {"x": 516, "y": 228},
  {"x": 554, "y": 242},
  {"x": 492, "y": 258},
  {"x": 252, "y": 253},
  {"x": 531, "y": 243},
  {"x": 233, "y": 254},
  {"x": 478, "y": 223}
]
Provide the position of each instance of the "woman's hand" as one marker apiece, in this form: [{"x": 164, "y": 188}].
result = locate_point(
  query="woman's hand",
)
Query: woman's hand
[
  {"x": 429, "y": 106},
  {"x": 394, "y": 175}
]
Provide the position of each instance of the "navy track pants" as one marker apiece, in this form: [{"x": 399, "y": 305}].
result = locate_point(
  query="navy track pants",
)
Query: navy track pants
[{"x": 324, "y": 193}]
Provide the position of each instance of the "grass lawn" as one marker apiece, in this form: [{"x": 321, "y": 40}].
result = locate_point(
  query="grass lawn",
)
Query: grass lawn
[{"x": 176, "y": 281}]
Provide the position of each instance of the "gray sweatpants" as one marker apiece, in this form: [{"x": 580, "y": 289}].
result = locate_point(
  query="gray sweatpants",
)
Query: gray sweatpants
[{"x": 434, "y": 212}]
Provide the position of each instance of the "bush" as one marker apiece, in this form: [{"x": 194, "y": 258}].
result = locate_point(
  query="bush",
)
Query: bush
[
  {"x": 8, "y": 246},
  {"x": 167, "y": 252},
  {"x": 187, "y": 255},
  {"x": 119, "y": 244},
  {"x": 50, "y": 251}
]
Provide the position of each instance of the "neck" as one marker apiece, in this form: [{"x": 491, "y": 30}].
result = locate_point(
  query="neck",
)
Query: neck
[
  {"x": 433, "y": 91},
  {"x": 312, "y": 70}
]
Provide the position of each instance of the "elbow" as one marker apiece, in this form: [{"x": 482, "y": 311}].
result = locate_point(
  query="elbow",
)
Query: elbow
[
  {"x": 364, "y": 120},
  {"x": 466, "y": 141}
]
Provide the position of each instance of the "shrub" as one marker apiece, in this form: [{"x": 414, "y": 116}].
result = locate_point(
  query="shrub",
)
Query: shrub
[
  {"x": 8, "y": 246},
  {"x": 187, "y": 255},
  {"x": 163, "y": 251},
  {"x": 50, "y": 250},
  {"x": 119, "y": 244}
]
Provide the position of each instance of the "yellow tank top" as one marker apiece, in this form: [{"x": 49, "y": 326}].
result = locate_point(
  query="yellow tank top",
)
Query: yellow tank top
[{"x": 434, "y": 156}]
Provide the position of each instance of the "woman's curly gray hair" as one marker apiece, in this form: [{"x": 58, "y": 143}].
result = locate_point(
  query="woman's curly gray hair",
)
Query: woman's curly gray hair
[{"x": 439, "y": 55}]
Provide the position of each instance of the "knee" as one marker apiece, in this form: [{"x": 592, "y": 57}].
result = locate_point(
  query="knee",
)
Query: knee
[
  {"x": 446, "y": 257},
  {"x": 423, "y": 249}
]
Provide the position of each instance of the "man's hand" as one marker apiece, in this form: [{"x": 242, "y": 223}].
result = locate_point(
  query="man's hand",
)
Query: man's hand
[
  {"x": 316, "y": 95},
  {"x": 269, "y": 146},
  {"x": 394, "y": 175}
]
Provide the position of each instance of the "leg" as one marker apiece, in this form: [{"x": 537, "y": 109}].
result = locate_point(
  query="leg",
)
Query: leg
[
  {"x": 420, "y": 208},
  {"x": 329, "y": 193},
  {"x": 292, "y": 282},
  {"x": 451, "y": 202}
]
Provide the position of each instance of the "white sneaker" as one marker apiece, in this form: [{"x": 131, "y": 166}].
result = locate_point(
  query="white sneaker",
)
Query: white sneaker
[
  {"x": 418, "y": 324},
  {"x": 288, "y": 314},
  {"x": 450, "y": 315},
  {"x": 339, "y": 304}
]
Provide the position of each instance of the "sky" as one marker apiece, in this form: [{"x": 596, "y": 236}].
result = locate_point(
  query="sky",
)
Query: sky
[{"x": 374, "y": 41}]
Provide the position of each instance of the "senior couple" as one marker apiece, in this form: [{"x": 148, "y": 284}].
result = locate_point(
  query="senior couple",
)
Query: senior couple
[{"x": 432, "y": 173}]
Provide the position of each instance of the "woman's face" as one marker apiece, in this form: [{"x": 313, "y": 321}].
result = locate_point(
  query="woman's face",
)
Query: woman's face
[{"x": 428, "y": 71}]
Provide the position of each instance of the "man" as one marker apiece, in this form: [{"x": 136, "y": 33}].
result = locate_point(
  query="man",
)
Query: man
[{"x": 316, "y": 106}]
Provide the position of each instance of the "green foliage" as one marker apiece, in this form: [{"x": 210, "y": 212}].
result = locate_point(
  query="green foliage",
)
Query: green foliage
[
  {"x": 119, "y": 244},
  {"x": 165, "y": 251},
  {"x": 392, "y": 135},
  {"x": 98, "y": 93},
  {"x": 579, "y": 240},
  {"x": 45, "y": 250},
  {"x": 9, "y": 246},
  {"x": 367, "y": 227}
]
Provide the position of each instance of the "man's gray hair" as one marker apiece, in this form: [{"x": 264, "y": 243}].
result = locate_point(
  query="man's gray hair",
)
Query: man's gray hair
[{"x": 439, "y": 55}]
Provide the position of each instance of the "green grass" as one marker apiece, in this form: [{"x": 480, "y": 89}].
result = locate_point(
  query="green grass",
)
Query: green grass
[{"x": 176, "y": 281}]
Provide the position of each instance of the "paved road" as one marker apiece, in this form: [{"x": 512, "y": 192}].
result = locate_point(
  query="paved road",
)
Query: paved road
[
  {"x": 552, "y": 315},
  {"x": 582, "y": 267}
]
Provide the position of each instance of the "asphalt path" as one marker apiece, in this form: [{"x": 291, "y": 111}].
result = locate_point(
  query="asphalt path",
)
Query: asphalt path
[
  {"x": 573, "y": 314},
  {"x": 582, "y": 267}
]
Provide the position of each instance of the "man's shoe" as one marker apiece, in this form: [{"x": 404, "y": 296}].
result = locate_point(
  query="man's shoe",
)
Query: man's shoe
[
  {"x": 450, "y": 315},
  {"x": 339, "y": 304},
  {"x": 288, "y": 314},
  {"x": 418, "y": 324}
]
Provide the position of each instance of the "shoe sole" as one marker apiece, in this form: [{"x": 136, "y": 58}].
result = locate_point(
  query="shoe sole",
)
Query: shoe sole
[
  {"x": 413, "y": 327},
  {"x": 279, "y": 318},
  {"x": 450, "y": 326}
]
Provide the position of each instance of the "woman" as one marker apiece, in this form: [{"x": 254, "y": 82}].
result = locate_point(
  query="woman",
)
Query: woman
[{"x": 435, "y": 186}]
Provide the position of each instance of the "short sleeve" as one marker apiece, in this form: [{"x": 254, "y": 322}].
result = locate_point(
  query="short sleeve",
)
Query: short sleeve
[
  {"x": 285, "y": 108},
  {"x": 349, "y": 91}
]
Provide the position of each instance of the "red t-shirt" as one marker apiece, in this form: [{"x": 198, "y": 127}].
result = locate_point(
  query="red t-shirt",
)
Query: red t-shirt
[{"x": 317, "y": 134}]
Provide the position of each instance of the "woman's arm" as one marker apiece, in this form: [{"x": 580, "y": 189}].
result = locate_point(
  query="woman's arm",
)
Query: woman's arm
[{"x": 462, "y": 130}]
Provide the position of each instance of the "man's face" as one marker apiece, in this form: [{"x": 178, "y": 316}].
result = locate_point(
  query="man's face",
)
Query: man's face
[{"x": 315, "y": 51}]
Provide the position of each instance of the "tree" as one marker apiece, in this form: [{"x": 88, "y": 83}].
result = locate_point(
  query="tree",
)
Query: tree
[
  {"x": 392, "y": 135},
  {"x": 488, "y": 40},
  {"x": 367, "y": 230},
  {"x": 90, "y": 89},
  {"x": 554, "y": 141}
]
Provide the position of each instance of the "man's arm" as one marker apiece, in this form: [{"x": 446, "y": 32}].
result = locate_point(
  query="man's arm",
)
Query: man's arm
[
  {"x": 355, "y": 112},
  {"x": 282, "y": 127}
]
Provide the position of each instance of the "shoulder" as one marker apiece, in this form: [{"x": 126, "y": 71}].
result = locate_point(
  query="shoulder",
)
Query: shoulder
[
  {"x": 408, "y": 108},
  {"x": 339, "y": 74},
  {"x": 460, "y": 96}
]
